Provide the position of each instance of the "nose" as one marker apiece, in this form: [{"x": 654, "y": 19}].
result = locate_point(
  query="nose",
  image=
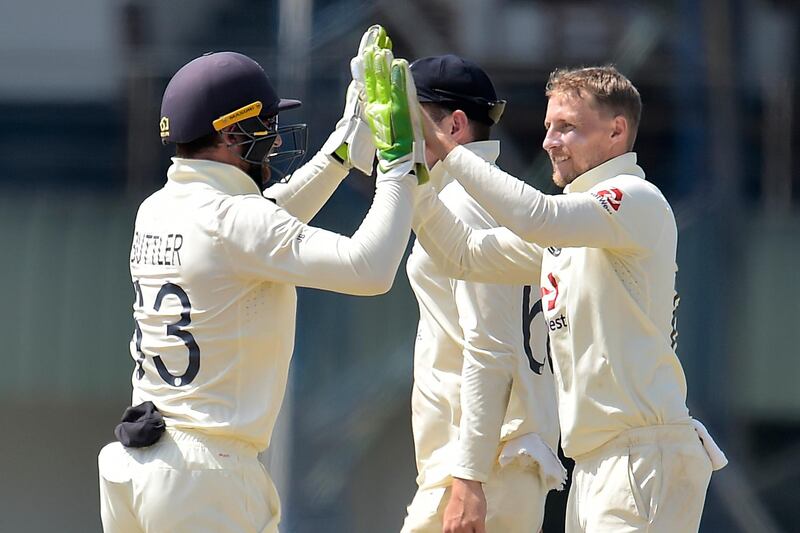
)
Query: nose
[{"x": 551, "y": 140}]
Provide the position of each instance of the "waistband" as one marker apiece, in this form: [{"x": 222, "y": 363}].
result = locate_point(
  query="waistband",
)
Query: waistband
[
  {"x": 662, "y": 434},
  {"x": 214, "y": 443}
]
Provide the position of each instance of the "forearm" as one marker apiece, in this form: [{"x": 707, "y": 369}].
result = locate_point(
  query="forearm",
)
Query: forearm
[
  {"x": 484, "y": 398},
  {"x": 494, "y": 256},
  {"x": 489, "y": 318},
  {"x": 568, "y": 220},
  {"x": 513, "y": 203},
  {"x": 309, "y": 187},
  {"x": 366, "y": 263}
]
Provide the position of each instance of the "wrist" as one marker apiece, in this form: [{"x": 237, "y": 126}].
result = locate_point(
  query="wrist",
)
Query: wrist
[
  {"x": 446, "y": 145},
  {"x": 341, "y": 155},
  {"x": 467, "y": 483}
]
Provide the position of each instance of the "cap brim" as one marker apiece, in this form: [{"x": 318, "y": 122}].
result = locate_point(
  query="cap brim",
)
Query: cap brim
[
  {"x": 286, "y": 103},
  {"x": 425, "y": 95}
]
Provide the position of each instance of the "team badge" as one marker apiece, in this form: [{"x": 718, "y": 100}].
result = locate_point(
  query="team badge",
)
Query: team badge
[
  {"x": 610, "y": 199},
  {"x": 549, "y": 296}
]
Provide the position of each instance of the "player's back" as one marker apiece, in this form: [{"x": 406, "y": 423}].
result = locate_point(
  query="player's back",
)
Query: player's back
[{"x": 211, "y": 345}]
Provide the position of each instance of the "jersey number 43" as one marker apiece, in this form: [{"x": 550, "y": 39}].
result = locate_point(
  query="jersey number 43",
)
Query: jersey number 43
[{"x": 172, "y": 330}]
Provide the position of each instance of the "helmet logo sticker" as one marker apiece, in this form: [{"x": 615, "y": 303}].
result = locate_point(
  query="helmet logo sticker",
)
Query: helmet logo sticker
[
  {"x": 248, "y": 111},
  {"x": 163, "y": 125}
]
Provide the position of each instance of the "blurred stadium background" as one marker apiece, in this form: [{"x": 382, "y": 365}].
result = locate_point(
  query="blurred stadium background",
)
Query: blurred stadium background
[{"x": 80, "y": 88}]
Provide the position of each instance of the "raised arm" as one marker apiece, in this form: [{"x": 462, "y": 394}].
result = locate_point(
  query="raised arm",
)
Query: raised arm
[
  {"x": 284, "y": 249},
  {"x": 266, "y": 242},
  {"x": 492, "y": 256},
  {"x": 308, "y": 188},
  {"x": 349, "y": 146},
  {"x": 633, "y": 224}
]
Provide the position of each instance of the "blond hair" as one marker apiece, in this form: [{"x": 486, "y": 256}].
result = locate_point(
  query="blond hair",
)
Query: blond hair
[{"x": 612, "y": 92}]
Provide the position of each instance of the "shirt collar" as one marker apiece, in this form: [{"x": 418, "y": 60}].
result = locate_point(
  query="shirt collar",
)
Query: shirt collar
[
  {"x": 486, "y": 150},
  {"x": 622, "y": 164},
  {"x": 221, "y": 176}
]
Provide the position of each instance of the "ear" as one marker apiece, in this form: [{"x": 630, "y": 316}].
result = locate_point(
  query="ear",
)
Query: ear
[
  {"x": 619, "y": 131},
  {"x": 460, "y": 130},
  {"x": 227, "y": 138}
]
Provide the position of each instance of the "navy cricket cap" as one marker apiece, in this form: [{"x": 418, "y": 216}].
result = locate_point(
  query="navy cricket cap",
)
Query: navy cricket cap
[
  {"x": 214, "y": 91},
  {"x": 457, "y": 83}
]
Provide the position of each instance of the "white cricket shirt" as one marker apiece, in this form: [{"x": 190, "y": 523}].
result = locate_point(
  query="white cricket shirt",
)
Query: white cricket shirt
[
  {"x": 608, "y": 286},
  {"x": 214, "y": 266},
  {"x": 475, "y": 383}
]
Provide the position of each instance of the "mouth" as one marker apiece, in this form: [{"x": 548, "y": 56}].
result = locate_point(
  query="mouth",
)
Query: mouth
[{"x": 558, "y": 159}]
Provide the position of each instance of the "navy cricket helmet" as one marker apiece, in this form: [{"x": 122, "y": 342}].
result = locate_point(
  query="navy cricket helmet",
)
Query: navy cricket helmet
[{"x": 223, "y": 89}]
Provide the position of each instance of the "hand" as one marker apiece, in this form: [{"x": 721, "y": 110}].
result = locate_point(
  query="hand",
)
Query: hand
[
  {"x": 393, "y": 114},
  {"x": 386, "y": 109},
  {"x": 466, "y": 509},
  {"x": 438, "y": 142},
  {"x": 351, "y": 141}
]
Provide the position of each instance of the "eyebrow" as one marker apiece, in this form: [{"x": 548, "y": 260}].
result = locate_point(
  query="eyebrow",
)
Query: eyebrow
[{"x": 571, "y": 120}]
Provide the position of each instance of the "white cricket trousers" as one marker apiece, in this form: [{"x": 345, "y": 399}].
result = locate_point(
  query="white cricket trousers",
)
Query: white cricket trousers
[
  {"x": 515, "y": 499},
  {"x": 186, "y": 482},
  {"x": 651, "y": 479}
]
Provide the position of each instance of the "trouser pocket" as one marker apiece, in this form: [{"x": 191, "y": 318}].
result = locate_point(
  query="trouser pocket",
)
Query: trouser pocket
[{"x": 642, "y": 479}]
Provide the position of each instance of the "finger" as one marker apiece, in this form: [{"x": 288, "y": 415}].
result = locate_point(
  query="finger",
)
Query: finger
[
  {"x": 457, "y": 527},
  {"x": 357, "y": 69},
  {"x": 401, "y": 115},
  {"x": 452, "y": 525},
  {"x": 429, "y": 127},
  {"x": 383, "y": 67},
  {"x": 413, "y": 103},
  {"x": 376, "y": 35},
  {"x": 370, "y": 82},
  {"x": 383, "y": 40},
  {"x": 370, "y": 37},
  {"x": 367, "y": 39}
]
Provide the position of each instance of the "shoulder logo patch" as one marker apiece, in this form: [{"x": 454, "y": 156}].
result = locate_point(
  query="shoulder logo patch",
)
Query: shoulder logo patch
[{"x": 610, "y": 199}]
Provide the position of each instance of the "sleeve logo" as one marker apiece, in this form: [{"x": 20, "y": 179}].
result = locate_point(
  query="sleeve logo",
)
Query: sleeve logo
[{"x": 610, "y": 199}]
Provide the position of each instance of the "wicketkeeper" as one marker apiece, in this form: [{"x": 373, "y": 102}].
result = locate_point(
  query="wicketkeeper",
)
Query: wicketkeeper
[{"x": 214, "y": 265}]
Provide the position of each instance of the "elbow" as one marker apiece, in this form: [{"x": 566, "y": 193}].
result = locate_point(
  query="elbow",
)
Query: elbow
[
  {"x": 376, "y": 284},
  {"x": 374, "y": 273},
  {"x": 523, "y": 230}
]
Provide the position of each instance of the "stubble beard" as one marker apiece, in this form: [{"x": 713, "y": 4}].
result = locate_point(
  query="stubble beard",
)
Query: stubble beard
[
  {"x": 558, "y": 180},
  {"x": 260, "y": 174},
  {"x": 561, "y": 180}
]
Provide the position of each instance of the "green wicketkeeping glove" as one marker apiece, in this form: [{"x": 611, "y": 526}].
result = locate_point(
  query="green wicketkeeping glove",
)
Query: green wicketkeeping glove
[
  {"x": 351, "y": 141},
  {"x": 392, "y": 112}
]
